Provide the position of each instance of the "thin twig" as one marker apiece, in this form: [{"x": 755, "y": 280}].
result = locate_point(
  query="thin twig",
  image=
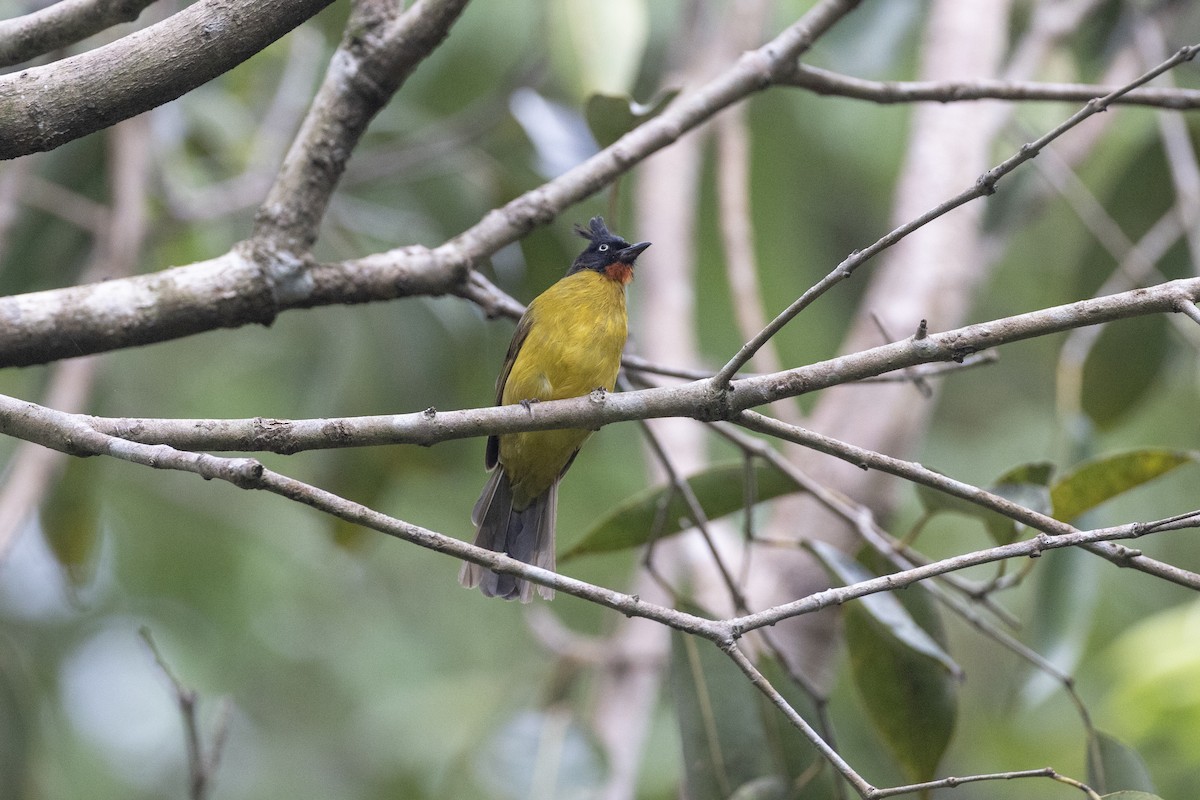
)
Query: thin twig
[
  {"x": 867, "y": 459},
  {"x": 985, "y": 185},
  {"x": 695, "y": 513},
  {"x": 202, "y": 761},
  {"x": 72, "y": 434},
  {"x": 824, "y": 82}
]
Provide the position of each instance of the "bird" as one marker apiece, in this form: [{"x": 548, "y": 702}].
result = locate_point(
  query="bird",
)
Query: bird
[{"x": 568, "y": 343}]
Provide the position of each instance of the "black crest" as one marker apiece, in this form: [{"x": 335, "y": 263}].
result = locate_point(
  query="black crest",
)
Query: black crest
[
  {"x": 604, "y": 247},
  {"x": 596, "y": 230}
]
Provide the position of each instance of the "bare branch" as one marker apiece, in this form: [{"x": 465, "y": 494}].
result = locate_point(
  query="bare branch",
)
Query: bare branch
[
  {"x": 44, "y": 107},
  {"x": 950, "y": 783},
  {"x": 61, "y": 24},
  {"x": 380, "y": 49},
  {"x": 824, "y": 82},
  {"x": 190, "y": 299},
  {"x": 1189, "y": 308},
  {"x": 985, "y": 185},
  {"x": 202, "y": 761},
  {"x": 699, "y": 399},
  {"x": 73, "y": 434},
  {"x": 912, "y": 471}
]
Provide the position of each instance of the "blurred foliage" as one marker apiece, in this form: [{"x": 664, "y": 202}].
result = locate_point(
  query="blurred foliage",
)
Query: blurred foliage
[
  {"x": 662, "y": 511},
  {"x": 907, "y": 681},
  {"x": 357, "y": 667}
]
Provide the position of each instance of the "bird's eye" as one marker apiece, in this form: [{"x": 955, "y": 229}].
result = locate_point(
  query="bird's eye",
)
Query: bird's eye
[{"x": 602, "y": 248}]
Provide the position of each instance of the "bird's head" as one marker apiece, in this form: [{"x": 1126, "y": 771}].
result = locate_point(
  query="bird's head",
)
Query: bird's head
[{"x": 606, "y": 253}]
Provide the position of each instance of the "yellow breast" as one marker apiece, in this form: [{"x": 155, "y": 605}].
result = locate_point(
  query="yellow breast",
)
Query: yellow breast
[{"x": 577, "y": 333}]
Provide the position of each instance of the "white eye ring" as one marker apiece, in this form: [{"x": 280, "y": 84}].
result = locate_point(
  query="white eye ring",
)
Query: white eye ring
[{"x": 602, "y": 248}]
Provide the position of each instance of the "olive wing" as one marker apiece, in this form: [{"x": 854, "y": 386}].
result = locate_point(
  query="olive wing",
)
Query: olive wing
[{"x": 492, "y": 454}]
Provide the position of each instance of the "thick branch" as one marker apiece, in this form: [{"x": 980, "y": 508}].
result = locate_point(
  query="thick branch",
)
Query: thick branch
[
  {"x": 383, "y": 276},
  {"x": 64, "y": 23},
  {"x": 46, "y": 326},
  {"x": 379, "y": 50},
  {"x": 44, "y": 107}
]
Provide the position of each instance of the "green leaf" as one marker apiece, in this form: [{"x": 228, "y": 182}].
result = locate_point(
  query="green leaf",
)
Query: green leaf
[
  {"x": 1094, "y": 482},
  {"x": 70, "y": 520},
  {"x": 906, "y": 680},
  {"x": 612, "y": 116},
  {"x": 885, "y": 610},
  {"x": 917, "y": 600},
  {"x": 1121, "y": 368},
  {"x": 1026, "y": 485},
  {"x": 719, "y": 490},
  {"x": 724, "y": 744},
  {"x": 1112, "y": 764},
  {"x": 1130, "y": 796},
  {"x": 1001, "y": 528},
  {"x": 1038, "y": 473},
  {"x": 909, "y": 697}
]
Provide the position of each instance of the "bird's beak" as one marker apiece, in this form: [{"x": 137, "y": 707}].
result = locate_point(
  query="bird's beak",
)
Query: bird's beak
[{"x": 629, "y": 254}]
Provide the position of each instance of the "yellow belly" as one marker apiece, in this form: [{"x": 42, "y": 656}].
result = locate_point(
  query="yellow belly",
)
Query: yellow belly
[{"x": 574, "y": 346}]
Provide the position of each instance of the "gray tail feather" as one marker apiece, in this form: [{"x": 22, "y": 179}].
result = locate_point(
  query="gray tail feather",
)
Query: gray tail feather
[{"x": 526, "y": 535}]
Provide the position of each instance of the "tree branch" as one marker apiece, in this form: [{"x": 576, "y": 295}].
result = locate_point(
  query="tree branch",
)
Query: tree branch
[
  {"x": 825, "y": 82},
  {"x": 911, "y": 471},
  {"x": 985, "y": 185},
  {"x": 64, "y": 23},
  {"x": 75, "y": 321},
  {"x": 44, "y": 107},
  {"x": 380, "y": 49},
  {"x": 73, "y": 434},
  {"x": 701, "y": 400}
]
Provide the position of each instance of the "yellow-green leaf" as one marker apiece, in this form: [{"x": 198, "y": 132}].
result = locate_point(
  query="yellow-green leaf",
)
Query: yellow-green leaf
[
  {"x": 1094, "y": 482},
  {"x": 1121, "y": 368},
  {"x": 909, "y": 697},
  {"x": 70, "y": 520},
  {"x": 660, "y": 511},
  {"x": 908, "y": 683},
  {"x": 1112, "y": 764}
]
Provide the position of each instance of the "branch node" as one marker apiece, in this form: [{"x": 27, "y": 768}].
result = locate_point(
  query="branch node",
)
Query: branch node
[{"x": 987, "y": 182}]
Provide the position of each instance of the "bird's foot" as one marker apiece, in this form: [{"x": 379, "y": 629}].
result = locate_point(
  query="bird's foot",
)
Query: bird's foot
[{"x": 528, "y": 402}]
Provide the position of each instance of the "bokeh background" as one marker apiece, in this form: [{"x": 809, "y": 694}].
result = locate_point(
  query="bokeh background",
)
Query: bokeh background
[{"x": 344, "y": 664}]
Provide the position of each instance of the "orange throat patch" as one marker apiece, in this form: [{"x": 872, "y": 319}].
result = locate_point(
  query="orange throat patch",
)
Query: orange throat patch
[{"x": 619, "y": 272}]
